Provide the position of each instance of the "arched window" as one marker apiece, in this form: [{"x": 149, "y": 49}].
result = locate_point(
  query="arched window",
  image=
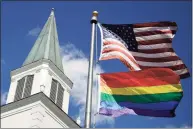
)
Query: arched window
[
  {"x": 24, "y": 87},
  {"x": 57, "y": 93}
]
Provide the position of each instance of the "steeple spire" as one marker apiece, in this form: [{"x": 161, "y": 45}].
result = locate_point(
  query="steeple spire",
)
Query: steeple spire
[
  {"x": 52, "y": 12},
  {"x": 46, "y": 45},
  {"x": 42, "y": 70}
]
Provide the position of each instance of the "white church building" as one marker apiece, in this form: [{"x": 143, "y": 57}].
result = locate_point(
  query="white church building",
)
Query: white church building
[{"x": 39, "y": 90}]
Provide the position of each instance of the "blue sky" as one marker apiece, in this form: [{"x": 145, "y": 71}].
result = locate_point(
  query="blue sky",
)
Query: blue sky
[{"x": 22, "y": 21}]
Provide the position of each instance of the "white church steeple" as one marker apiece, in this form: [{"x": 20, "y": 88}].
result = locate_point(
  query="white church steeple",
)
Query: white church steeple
[{"x": 42, "y": 70}]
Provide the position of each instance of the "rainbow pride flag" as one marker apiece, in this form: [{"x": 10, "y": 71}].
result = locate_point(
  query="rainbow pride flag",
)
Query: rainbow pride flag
[{"x": 152, "y": 92}]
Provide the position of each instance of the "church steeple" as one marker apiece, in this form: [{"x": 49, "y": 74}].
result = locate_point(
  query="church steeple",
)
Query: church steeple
[
  {"x": 42, "y": 71},
  {"x": 46, "y": 45}
]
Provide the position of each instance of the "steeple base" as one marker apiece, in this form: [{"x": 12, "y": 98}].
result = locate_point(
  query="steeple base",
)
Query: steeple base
[{"x": 44, "y": 71}]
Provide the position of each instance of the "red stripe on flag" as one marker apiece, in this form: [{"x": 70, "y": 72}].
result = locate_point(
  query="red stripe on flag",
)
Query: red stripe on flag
[
  {"x": 175, "y": 67},
  {"x": 121, "y": 51},
  {"x": 161, "y": 59},
  {"x": 155, "y": 41},
  {"x": 153, "y": 51},
  {"x": 148, "y": 33},
  {"x": 107, "y": 42},
  {"x": 182, "y": 76},
  {"x": 120, "y": 58},
  {"x": 154, "y": 24},
  {"x": 142, "y": 78}
]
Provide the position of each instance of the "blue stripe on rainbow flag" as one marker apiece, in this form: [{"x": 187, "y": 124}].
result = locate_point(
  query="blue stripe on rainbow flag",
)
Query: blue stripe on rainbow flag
[{"x": 156, "y": 106}]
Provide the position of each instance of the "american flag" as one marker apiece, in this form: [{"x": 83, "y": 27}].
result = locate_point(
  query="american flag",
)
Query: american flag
[{"x": 142, "y": 46}]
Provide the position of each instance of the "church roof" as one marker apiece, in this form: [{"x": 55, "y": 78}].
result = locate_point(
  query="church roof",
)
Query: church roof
[{"x": 46, "y": 45}]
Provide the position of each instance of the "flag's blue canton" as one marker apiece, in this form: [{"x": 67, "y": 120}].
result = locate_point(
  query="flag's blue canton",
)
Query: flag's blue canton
[{"x": 124, "y": 33}]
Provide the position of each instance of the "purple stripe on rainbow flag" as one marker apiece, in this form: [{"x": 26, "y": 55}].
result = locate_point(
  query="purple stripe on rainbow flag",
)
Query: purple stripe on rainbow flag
[{"x": 142, "y": 112}]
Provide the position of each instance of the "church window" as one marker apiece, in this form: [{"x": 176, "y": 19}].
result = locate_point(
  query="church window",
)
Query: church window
[
  {"x": 57, "y": 93},
  {"x": 24, "y": 87}
]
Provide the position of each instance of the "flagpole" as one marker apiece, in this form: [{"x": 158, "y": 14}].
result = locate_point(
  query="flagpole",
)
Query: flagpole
[{"x": 90, "y": 74}]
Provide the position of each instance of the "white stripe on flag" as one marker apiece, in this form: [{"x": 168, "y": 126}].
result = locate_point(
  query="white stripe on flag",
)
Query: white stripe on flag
[
  {"x": 181, "y": 71},
  {"x": 114, "y": 41},
  {"x": 160, "y": 64},
  {"x": 157, "y": 55},
  {"x": 153, "y": 37},
  {"x": 155, "y": 46},
  {"x": 144, "y": 29},
  {"x": 114, "y": 46},
  {"x": 115, "y": 53}
]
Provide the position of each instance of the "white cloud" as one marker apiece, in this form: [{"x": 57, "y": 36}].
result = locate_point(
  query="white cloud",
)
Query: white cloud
[
  {"x": 3, "y": 98},
  {"x": 34, "y": 31},
  {"x": 76, "y": 68}
]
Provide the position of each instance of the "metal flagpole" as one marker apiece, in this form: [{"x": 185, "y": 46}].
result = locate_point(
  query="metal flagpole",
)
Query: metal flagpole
[{"x": 90, "y": 74}]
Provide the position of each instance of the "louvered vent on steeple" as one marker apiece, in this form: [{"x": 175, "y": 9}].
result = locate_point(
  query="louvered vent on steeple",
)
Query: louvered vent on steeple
[
  {"x": 24, "y": 86},
  {"x": 57, "y": 93}
]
